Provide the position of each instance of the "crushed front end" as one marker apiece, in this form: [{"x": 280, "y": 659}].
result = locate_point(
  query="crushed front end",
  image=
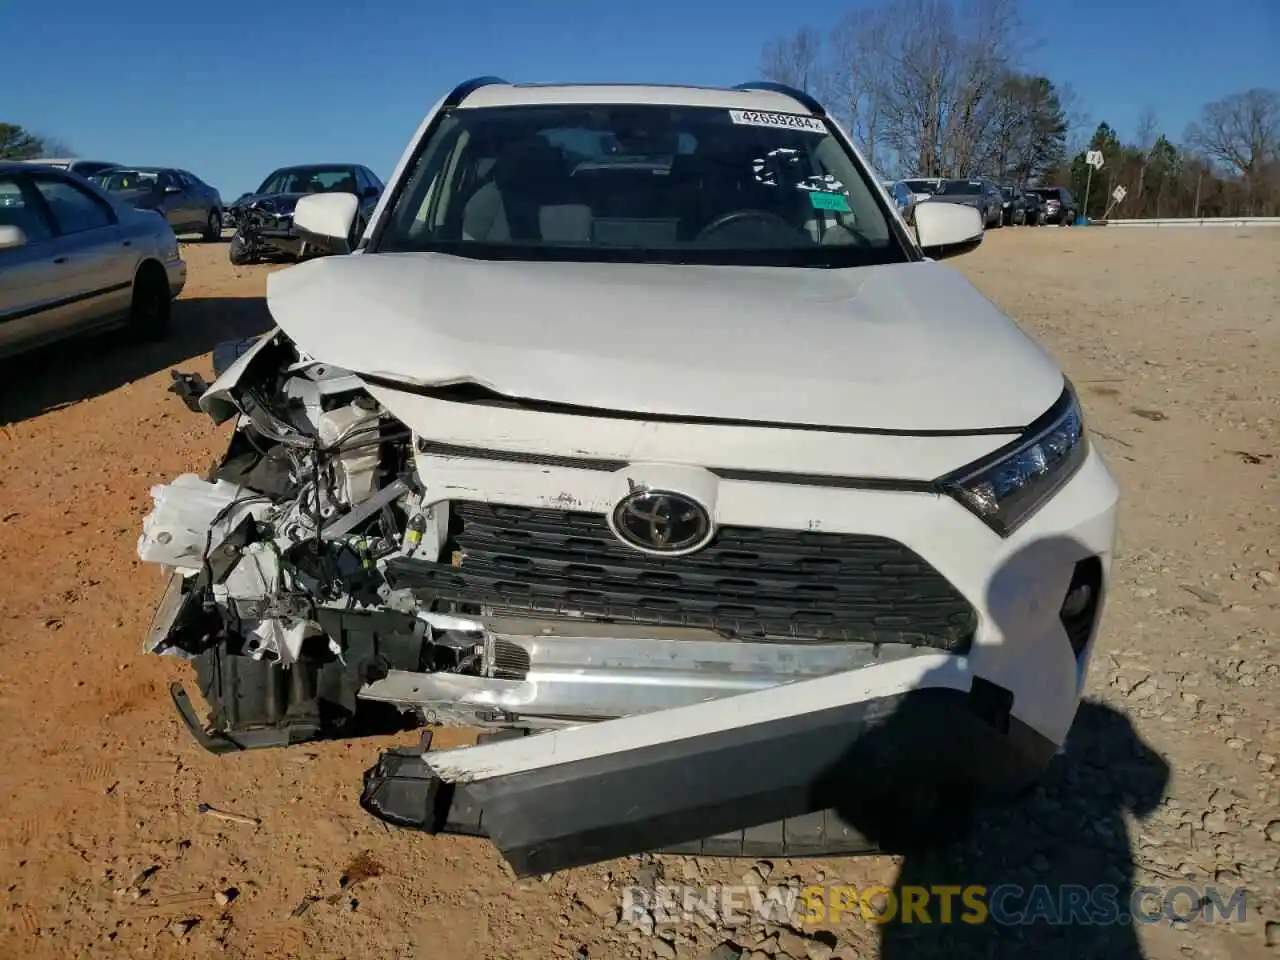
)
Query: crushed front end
[
  {"x": 744, "y": 658},
  {"x": 264, "y": 228}
]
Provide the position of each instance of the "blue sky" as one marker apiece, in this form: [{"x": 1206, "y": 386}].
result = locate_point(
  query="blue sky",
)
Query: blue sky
[{"x": 235, "y": 88}]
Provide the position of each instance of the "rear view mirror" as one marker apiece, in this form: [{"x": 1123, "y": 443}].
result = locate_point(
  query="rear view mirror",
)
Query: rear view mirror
[
  {"x": 325, "y": 220},
  {"x": 12, "y": 237},
  {"x": 947, "y": 229}
]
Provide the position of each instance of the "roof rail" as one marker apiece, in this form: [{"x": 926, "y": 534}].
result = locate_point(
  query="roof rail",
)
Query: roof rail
[
  {"x": 798, "y": 95},
  {"x": 465, "y": 89}
]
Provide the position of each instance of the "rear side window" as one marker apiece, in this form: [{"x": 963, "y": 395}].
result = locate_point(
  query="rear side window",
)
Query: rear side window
[{"x": 74, "y": 210}]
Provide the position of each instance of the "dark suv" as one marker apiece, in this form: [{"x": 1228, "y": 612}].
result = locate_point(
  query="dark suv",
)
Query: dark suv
[
  {"x": 1013, "y": 206},
  {"x": 1059, "y": 206},
  {"x": 981, "y": 194}
]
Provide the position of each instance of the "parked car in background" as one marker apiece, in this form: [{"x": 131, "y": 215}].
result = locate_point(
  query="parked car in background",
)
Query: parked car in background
[
  {"x": 1035, "y": 208},
  {"x": 923, "y": 189},
  {"x": 72, "y": 261},
  {"x": 229, "y": 212},
  {"x": 1013, "y": 206},
  {"x": 979, "y": 193},
  {"x": 188, "y": 203},
  {"x": 84, "y": 168},
  {"x": 903, "y": 198},
  {"x": 263, "y": 220},
  {"x": 1059, "y": 205}
]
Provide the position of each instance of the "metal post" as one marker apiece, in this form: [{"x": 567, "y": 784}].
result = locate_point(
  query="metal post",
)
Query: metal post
[
  {"x": 1196, "y": 211},
  {"x": 1088, "y": 181}
]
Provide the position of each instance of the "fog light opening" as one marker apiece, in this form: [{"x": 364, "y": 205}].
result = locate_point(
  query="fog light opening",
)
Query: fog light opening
[{"x": 1080, "y": 606}]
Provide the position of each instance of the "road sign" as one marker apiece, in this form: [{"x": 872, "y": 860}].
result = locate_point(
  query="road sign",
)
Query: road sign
[
  {"x": 1119, "y": 193},
  {"x": 1094, "y": 159}
]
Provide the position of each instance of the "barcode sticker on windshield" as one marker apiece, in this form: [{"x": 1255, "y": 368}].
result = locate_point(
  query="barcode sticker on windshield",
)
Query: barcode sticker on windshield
[{"x": 784, "y": 121}]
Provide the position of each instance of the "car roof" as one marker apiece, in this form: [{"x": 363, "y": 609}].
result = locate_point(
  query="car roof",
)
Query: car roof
[
  {"x": 23, "y": 166},
  {"x": 534, "y": 94}
]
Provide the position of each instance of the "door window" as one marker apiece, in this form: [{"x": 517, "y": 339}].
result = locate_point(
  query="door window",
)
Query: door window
[
  {"x": 17, "y": 210},
  {"x": 74, "y": 210}
]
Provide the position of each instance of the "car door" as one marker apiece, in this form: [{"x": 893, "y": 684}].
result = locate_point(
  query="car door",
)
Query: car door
[
  {"x": 97, "y": 261},
  {"x": 171, "y": 200},
  {"x": 32, "y": 296},
  {"x": 195, "y": 205}
]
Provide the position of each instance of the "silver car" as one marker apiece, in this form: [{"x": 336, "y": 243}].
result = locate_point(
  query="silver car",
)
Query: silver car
[{"x": 72, "y": 260}]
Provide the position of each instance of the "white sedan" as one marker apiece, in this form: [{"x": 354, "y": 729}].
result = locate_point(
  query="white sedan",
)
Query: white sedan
[{"x": 73, "y": 261}]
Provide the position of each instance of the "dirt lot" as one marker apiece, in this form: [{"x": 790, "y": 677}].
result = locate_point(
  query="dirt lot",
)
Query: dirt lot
[{"x": 1173, "y": 338}]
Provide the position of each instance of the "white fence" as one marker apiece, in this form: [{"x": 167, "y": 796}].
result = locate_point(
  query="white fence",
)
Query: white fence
[{"x": 1199, "y": 222}]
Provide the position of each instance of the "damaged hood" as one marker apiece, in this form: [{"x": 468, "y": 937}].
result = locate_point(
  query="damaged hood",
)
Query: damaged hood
[{"x": 907, "y": 347}]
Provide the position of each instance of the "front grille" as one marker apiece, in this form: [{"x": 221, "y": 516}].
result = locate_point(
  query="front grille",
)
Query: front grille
[{"x": 750, "y": 581}]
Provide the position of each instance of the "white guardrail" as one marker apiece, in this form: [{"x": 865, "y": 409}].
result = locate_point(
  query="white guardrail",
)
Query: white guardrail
[{"x": 1198, "y": 222}]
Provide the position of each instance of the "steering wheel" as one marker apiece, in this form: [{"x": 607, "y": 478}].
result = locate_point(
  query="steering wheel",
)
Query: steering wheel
[{"x": 738, "y": 216}]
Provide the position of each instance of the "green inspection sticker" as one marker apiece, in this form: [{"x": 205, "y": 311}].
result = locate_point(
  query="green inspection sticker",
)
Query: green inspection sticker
[{"x": 829, "y": 201}]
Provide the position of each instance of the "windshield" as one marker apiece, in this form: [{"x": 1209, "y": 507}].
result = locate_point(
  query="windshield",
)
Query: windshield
[
  {"x": 641, "y": 183},
  {"x": 921, "y": 186},
  {"x": 310, "y": 180},
  {"x": 964, "y": 188},
  {"x": 116, "y": 180}
]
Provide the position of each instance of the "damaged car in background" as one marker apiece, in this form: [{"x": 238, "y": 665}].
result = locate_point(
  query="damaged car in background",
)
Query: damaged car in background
[
  {"x": 737, "y": 523},
  {"x": 263, "y": 220}
]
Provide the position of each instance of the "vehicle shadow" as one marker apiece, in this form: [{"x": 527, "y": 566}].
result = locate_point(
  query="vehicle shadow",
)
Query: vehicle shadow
[
  {"x": 90, "y": 366},
  {"x": 1055, "y": 860}
]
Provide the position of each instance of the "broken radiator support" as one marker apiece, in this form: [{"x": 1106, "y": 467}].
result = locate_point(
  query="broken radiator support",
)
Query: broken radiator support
[{"x": 255, "y": 704}]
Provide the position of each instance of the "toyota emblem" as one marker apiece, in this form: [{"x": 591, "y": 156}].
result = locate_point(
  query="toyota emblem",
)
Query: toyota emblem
[{"x": 660, "y": 521}]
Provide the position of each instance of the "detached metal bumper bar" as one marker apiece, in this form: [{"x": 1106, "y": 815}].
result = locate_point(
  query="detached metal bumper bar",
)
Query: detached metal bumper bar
[{"x": 829, "y": 766}]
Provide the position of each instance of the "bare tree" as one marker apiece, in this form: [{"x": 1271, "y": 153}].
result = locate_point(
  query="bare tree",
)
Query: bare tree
[
  {"x": 57, "y": 147},
  {"x": 855, "y": 77},
  {"x": 938, "y": 67},
  {"x": 1147, "y": 131},
  {"x": 987, "y": 34},
  {"x": 795, "y": 60},
  {"x": 1242, "y": 131}
]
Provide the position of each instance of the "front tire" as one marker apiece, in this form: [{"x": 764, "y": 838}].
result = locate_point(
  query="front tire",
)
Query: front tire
[
  {"x": 150, "y": 308},
  {"x": 238, "y": 251}
]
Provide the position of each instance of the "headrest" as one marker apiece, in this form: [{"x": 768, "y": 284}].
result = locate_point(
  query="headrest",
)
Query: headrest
[{"x": 528, "y": 161}]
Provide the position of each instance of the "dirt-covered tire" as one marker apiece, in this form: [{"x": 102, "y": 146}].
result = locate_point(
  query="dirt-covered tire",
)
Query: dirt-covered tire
[
  {"x": 213, "y": 226},
  {"x": 151, "y": 305},
  {"x": 238, "y": 251}
]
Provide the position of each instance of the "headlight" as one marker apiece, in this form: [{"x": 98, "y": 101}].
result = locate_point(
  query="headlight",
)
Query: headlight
[{"x": 1007, "y": 487}]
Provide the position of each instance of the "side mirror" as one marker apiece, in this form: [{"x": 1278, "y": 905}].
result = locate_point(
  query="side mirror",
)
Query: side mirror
[
  {"x": 325, "y": 220},
  {"x": 947, "y": 229},
  {"x": 12, "y": 237}
]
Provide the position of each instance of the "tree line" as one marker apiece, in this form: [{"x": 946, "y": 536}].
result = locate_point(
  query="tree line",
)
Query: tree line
[
  {"x": 937, "y": 88},
  {"x": 18, "y": 143}
]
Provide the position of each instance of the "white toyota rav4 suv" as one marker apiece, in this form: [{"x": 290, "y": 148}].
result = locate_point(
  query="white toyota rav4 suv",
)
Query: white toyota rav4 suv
[{"x": 641, "y": 428}]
